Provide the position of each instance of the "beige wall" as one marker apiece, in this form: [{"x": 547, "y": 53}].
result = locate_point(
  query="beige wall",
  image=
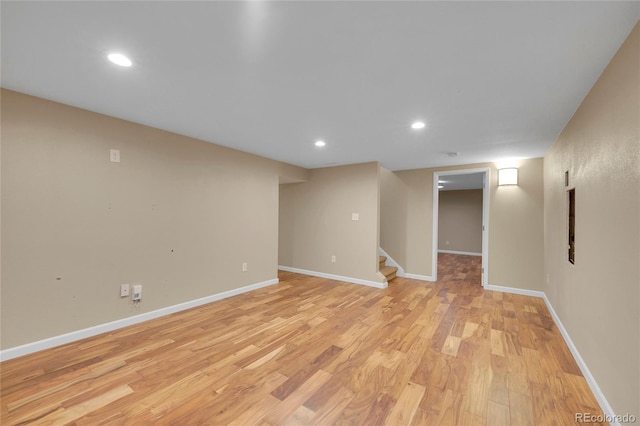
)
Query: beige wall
[
  {"x": 515, "y": 223},
  {"x": 177, "y": 215},
  {"x": 394, "y": 210},
  {"x": 315, "y": 222},
  {"x": 406, "y": 228},
  {"x": 516, "y": 229},
  {"x": 460, "y": 220},
  {"x": 598, "y": 298}
]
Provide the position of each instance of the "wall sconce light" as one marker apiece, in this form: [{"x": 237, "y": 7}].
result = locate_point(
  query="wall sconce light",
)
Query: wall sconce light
[{"x": 508, "y": 176}]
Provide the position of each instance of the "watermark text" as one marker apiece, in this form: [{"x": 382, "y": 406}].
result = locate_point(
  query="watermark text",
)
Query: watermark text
[{"x": 601, "y": 418}]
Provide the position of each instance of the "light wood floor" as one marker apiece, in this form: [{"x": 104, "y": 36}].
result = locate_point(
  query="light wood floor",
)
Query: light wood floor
[{"x": 315, "y": 351}]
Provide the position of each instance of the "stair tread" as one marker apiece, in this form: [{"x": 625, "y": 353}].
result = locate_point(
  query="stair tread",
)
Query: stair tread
[
  {"x": 388, "y": 270},
  {"x": 382, "y": 259}
]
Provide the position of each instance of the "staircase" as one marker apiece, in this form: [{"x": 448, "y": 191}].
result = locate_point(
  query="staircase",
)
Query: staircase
[{"x": 387, "y": 271}]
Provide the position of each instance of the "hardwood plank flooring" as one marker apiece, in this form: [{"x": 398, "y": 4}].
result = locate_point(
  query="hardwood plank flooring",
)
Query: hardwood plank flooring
[{"x": 315, "y": 351}]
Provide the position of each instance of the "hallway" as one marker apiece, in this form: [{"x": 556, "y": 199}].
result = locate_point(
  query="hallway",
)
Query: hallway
[{"x": 457, "y": 268}]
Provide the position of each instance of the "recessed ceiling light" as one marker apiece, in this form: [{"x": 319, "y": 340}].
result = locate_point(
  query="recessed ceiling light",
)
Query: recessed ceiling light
[
  {"x": 417, "y": 125},
  {"x": 320, "y": 143},
  {"x": 119, "y": 59}
]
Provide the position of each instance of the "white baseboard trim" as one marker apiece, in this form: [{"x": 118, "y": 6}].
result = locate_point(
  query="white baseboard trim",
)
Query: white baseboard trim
[
  {"x": 418, "y": 277},
  {"x": 333, "y": 277},
  {"x": 466, "y": 253},
  {"x": 514, "y": 290},
  {"x": 73, "y": 336},
  {"x": 597, "y": 392},
  {"x": 591, "y": 381}
]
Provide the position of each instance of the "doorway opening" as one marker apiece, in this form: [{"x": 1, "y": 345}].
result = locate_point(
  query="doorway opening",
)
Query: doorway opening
[{"x": 462, "y": 233}]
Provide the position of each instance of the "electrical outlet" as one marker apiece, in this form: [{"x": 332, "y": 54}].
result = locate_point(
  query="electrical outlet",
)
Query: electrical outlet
[
  {"x": 137, "y": 292},
  {"x": 244, "y": 267},
  {"x": 333, "y": 259},
  {"x": 355, "y": 216},
  {"x": 124, "y": 290}
]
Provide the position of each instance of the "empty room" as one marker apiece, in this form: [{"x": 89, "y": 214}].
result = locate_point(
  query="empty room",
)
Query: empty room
[{"x": 320, "y": 212}]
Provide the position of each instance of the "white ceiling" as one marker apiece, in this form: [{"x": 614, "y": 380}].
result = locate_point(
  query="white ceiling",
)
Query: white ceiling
[
  {"x": 464, "y": 181},
  {"x": 491, "y": 79}
]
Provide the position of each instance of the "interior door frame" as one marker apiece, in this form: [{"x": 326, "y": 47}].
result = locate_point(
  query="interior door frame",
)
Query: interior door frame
[{"x": 485, "y": 218}]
